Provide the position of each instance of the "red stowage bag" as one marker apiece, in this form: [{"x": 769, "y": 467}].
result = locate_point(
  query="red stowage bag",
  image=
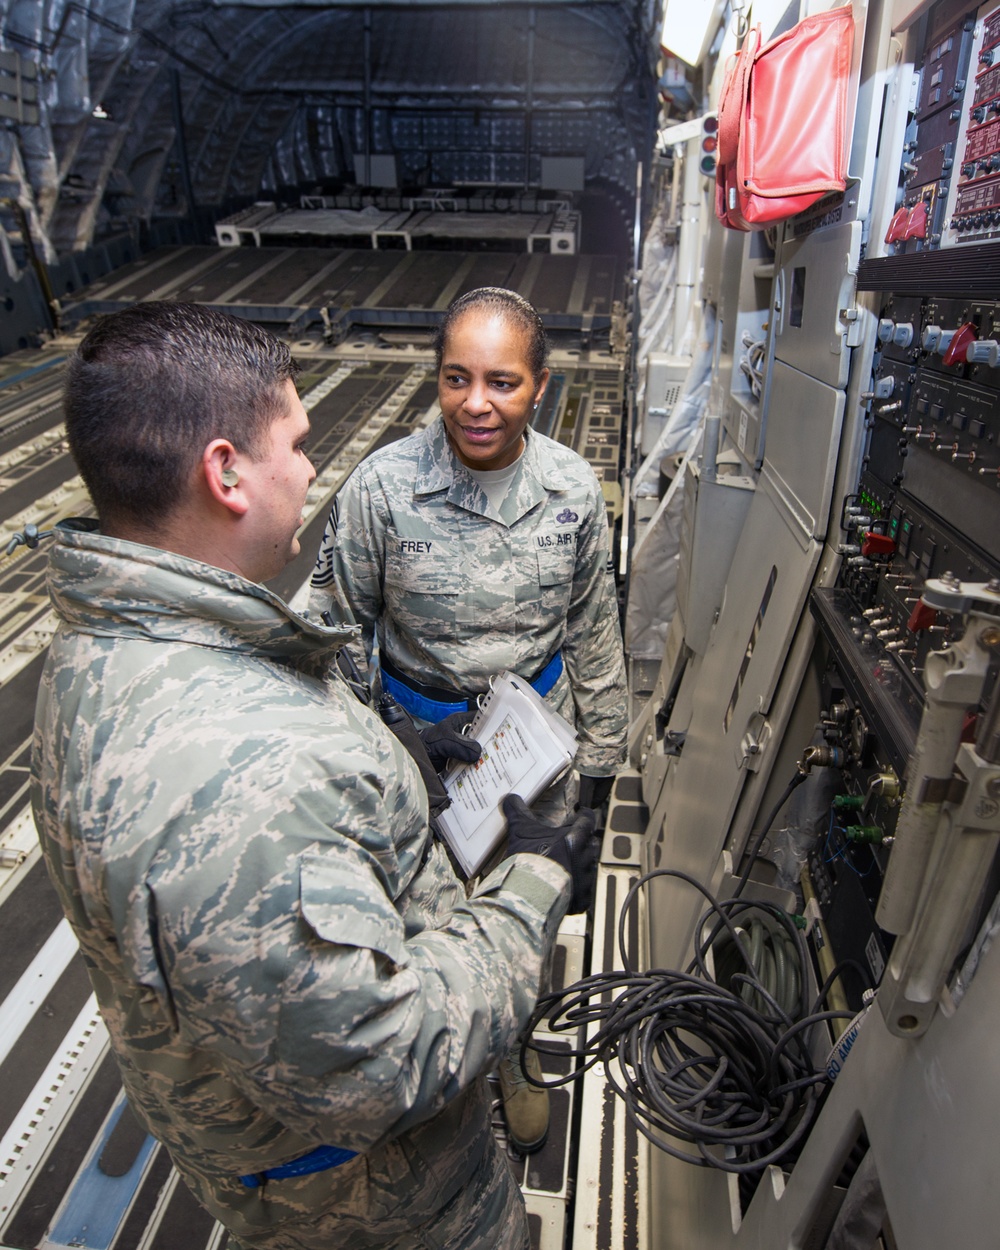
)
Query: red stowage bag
[{"x": 783, "y": 121}]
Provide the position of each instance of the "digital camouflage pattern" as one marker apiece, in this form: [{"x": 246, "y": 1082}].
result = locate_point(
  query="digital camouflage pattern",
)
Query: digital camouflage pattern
[
  {"x": 281, "y": 953},
  {"x": 457, "y": 591}
]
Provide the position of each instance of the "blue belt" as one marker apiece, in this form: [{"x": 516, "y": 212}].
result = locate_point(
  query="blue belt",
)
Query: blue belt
[
  {"x": 433, "y": 704},
  {"x": 318, "y": 1160}
]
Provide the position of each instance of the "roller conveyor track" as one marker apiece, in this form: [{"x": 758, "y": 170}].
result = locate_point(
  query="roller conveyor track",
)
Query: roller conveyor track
[
  {"x": 298, "y": 287},
  {"x": 59, "y": 1091}
]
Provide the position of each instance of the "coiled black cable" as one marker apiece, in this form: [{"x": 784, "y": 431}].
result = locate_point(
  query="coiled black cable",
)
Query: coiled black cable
[{"x": 725, "y": 1069}]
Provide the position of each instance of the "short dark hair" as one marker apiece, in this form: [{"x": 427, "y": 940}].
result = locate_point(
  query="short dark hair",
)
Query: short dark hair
[
  {"x": 149, "y": 387},
  {"x": 511, "y": 307}
]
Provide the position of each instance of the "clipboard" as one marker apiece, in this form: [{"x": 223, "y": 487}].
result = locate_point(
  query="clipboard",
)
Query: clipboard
[{"x": 526, "y": 746}]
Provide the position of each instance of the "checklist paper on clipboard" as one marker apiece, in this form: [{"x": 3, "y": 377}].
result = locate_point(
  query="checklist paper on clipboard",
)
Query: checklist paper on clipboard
[{"x": 525, "y": 747}]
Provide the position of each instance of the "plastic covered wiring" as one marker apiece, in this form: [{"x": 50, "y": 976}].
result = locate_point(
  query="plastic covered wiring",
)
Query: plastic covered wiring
[
  {"x": 798, "y": 777},
  {"x": 752, "y": 362},
  {"x": 772, "y": 953},
  {"x": 697, "y": 1063}
]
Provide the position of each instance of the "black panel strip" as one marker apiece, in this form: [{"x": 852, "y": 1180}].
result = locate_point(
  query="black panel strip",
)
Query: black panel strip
[
  {"x": 143, "y": 1208},
  {"x": 41, "y": 1038},
  {"x": 633, "y": 930},
  {"x": 630, "y": 1232},
  {"x": 963, "y": 271},
  {"x": 184, "y": 1223},
  {"x": 122, "y": 1148},
  {"x": 606, "y": 1175},
  {"x": 610, "y": 930},
  {"x": 547, "y": 1167},
  {"x": 30, "y": 912}
]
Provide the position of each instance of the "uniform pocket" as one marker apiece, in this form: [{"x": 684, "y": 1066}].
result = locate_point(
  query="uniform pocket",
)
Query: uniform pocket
[
  {"x": 555, "y": 565},
  {"x": 349, "y": 910},
  {"x": 421, "y": 568},
  {"x": 555, "y": 577}
]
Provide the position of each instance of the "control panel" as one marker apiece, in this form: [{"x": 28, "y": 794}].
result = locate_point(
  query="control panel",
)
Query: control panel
[
  {"x": 927, "y": 506},
  {"x": 972, "y": 212},
  {"x": 950, "y": 168}
]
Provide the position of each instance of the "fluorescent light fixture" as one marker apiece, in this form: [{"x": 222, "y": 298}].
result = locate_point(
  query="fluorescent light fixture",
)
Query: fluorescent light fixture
[{"x": 689, "y": 26}]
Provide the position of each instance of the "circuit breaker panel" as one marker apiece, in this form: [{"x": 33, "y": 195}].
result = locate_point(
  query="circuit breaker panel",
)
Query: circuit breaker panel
[
  {"x": 860, "y": 626},
  {"x": 925, "y": 512},
  {"x": 927, "y": 509}
]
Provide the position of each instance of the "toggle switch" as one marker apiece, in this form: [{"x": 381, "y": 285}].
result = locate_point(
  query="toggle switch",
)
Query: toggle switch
[
  {"x": 898, "y": 225},
  {"x": 959, "y": 344},
  {"x": 882, "y": 389},
  {"x": 922, "y": 617},
  {"x": 877, "y": 545},
  {"x": 916, "y": 223}
]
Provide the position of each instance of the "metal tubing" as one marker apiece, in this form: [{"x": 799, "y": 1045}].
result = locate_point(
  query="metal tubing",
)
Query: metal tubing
[
  {"x": 687, "y": 245},
  {"x": 954, "y": 682},
  {"x": 529, "y": 92},
  {"x": 180, "y": 143},
  {"x": 955, "y": 895},
  {"x": 964, "y": 850},
  {"x": 367, "y": 106},
  {"x": 710, "y": 448}
]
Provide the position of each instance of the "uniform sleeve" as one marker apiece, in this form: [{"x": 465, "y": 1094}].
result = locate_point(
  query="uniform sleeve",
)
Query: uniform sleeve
[
  {"x": 347, "y": 578},
  {"x": 324, "y": 1007},
  {"x": 592, "y": 651}
]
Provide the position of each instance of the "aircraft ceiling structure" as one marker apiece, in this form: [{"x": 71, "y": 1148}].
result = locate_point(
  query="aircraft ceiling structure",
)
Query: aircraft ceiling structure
[{"x": 135, "y": 110}]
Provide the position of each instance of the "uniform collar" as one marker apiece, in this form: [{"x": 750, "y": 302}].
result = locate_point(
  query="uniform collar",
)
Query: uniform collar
[
  {"x": 113, "y": 588},
  {"x": 439, "y": 469}
]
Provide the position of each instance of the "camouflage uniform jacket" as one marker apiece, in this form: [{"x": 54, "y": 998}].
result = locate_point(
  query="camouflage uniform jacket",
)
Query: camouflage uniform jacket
[
  {"x": 282, "y": 955},
  {"x": 457, "y": 591}
]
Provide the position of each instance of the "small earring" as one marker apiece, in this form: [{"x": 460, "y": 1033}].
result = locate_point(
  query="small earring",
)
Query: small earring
[
  {"x": 230, "y": 477},
  {"x": 534, "y": 408}
]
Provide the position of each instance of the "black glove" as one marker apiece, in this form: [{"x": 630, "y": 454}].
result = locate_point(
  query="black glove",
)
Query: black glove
[
  {"x": 594, "y": 791},
  {"x": 445, "y": 741},
  {"x": 572, "y": 845}
]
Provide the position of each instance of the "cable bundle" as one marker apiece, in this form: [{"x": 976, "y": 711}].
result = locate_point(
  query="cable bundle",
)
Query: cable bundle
[
  {"x": 751, "y": 364},
  {"x": 725, "y": 1069}
]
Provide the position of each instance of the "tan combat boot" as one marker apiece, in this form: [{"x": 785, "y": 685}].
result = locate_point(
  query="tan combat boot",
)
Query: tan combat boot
[{"x": 526, "y": 1106}]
